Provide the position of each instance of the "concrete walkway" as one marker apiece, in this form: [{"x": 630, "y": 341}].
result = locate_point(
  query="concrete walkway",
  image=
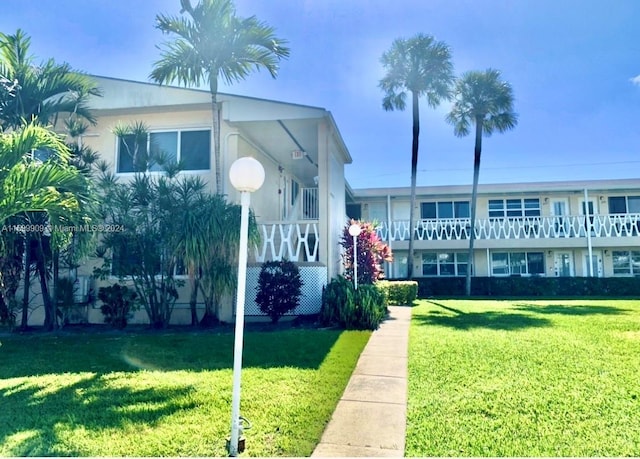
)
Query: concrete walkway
[{"x": 370, "y": 419}]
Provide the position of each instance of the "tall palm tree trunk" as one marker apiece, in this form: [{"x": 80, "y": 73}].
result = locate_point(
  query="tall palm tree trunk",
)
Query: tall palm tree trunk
[
  {"x": 414, "y": 172},
  {"x": 194, "y": 285},
  {"x": 474, "y": 197},
  {"x": 27, "y": 284},
  {"x": 50, "y": 319},
  {"x": 215, "y": 112}
]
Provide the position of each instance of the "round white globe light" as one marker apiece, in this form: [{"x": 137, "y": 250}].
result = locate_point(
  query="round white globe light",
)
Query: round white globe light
[
  {"x": 246, "y": 174},
  {"x": 354, "y": 230}
]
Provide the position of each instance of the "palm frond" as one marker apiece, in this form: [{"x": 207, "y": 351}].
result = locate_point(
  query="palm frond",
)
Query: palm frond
[
  {"x": 482, "y": 97},
  {"x": 420, "y": 65}
]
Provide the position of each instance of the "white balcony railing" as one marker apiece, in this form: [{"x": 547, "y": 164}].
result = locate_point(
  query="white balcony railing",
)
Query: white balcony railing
[
  {"x": 309, "y": 204},
  {"x": 571, "y": 226},
  {"x": 292, "y": 240}
]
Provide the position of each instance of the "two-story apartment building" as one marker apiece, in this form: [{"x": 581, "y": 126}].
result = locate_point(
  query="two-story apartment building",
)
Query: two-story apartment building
[
  {"x": 300, "y": 209},
  {"x": 573, "y": 228}
]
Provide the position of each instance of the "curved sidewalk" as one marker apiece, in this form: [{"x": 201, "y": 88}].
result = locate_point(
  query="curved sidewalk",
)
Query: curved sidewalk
[{"x": 370, "y": 418}]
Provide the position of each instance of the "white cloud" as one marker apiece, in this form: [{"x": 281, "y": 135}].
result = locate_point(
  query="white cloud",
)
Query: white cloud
[{"x": 636, "y": 80}]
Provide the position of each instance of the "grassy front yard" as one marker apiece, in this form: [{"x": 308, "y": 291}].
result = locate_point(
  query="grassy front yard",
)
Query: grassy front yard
[
  {"x": 169, "y": 394},
  {"x": 524, "y": 378}
]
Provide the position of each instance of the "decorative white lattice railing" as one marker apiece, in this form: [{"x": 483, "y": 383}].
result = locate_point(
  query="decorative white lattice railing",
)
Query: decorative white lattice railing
[
  {"x": 291, "y": 240},
  {"x": 570, "y": 226}
]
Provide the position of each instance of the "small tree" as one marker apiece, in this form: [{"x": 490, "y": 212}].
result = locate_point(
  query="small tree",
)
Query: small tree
[
  {"x": 117, "y": 303},
  {"x": 279, "y": 288},
  {"x": 372, "y": 252}
]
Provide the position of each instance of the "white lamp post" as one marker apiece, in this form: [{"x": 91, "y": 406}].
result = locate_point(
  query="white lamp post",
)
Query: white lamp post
[
  {"x": 354, "y": 230},
  {"x": 246, "y": 176}
]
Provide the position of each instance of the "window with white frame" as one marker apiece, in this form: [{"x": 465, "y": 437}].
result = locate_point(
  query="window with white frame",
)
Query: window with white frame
[
  {"x": 191, "y": 147},
  {"x": 127, "y": 260},
  {"x": 500, "y": 208},
  {"x": 626, "y": 262},
  {"x": 624, "y": 204},
  {"x": 444, "y": 209},
  {"x": 444, "y": 263},
  {"x": 517, "y": 263}
]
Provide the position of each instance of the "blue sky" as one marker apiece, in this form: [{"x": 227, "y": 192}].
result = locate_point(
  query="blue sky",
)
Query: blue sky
[{"x": 571, "y": 63}]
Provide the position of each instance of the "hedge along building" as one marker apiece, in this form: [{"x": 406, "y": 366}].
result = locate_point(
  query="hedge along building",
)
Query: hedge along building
[
  {"x": 551, "y": 229},
  {"x": 300, "y": 209}
]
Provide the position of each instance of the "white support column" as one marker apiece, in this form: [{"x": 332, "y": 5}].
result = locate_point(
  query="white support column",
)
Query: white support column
[
  {"x": 588, "y": 227},
  {"x": 488, "y": 264}
]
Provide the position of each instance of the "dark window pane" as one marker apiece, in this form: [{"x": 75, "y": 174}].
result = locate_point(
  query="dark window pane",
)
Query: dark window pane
[
  {"x": 532, "y": 207},
  {"x": 517, "y": 262},
  {"x": 447, "y": 269},
  {"x": 514, "y": 208},
  {"x": 428, "y": 210},
  {"x": 429, "y": 257},
  {"x": 496, "y": 208},
  {"x": 445, "y": 210},
  {"x": 126, "y": 151},
  {"x": 634, "y": 204},
  {"x": 429, "y": 269},
  {"x": 635, "y": 262},
  {"x": 621, "y": 262},
  {"x": 535, "y": 262},
  {"x": 617, "y": 205},
  {"x": 461, "y": 209},
  {"x": 500, "y": 263},
  {"x": 429, "y": 264},
  {"x": 354, "y": 211},
  {"x": 164, "y": 149},
  {"x": 195, "y": 150},
  {"x": 295, "y": 190}
]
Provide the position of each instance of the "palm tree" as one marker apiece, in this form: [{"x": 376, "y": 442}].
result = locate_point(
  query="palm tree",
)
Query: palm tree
[
  {"x": 43, "y": 91},
  {"x": 39, "y": 93},
  {"x": 484, "y": 100},
  {"x": 421, "y": 66},
  {"x": 30, "y": 188},
  {"x": 30, "y": 185},
  {"x": 212, "y": 42}
]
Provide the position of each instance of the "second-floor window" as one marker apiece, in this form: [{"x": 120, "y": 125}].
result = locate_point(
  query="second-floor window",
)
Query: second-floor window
[
  {"x": 444, "y": 209},
  {"x": 624, "y": 204},
  {"x": 191, "y": 148},
  {"x": 500, "y": 208}
]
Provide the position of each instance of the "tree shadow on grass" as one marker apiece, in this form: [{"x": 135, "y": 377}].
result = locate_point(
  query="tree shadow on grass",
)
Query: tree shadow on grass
[
  {"x": 494, "y": 320},
  {"x": 571, "y": 310},
  {"x": 51, "y": 354},
  {"x": 32, "y": 416}
]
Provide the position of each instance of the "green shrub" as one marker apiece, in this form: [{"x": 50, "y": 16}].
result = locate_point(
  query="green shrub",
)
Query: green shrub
[
  {"x": 399, "y": 292},
  {"x": 279, "y": 288},
  {"x": 371, "y": 307},
  {"x": 345, "y": 307},
  {"x": 542, "y": 287},
  {"x": 118, "y": 302}
]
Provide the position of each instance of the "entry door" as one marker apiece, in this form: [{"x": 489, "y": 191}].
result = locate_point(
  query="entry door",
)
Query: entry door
[
  {"x": 596, "y": 263},
  {"x": 564, "y": 264},
  {"x": 560, "y": 209},
  {"x": 400, "y": 215},
  {"x": 589, "y": 208}
]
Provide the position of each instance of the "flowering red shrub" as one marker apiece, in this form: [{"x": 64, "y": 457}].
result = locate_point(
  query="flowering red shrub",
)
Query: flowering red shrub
[{"x": 372, "y": 253}]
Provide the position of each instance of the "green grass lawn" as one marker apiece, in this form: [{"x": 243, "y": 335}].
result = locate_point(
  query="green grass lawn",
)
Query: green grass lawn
[
  {"x": 524, "y": 378},
  {"x": 169, "y": 394}
]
